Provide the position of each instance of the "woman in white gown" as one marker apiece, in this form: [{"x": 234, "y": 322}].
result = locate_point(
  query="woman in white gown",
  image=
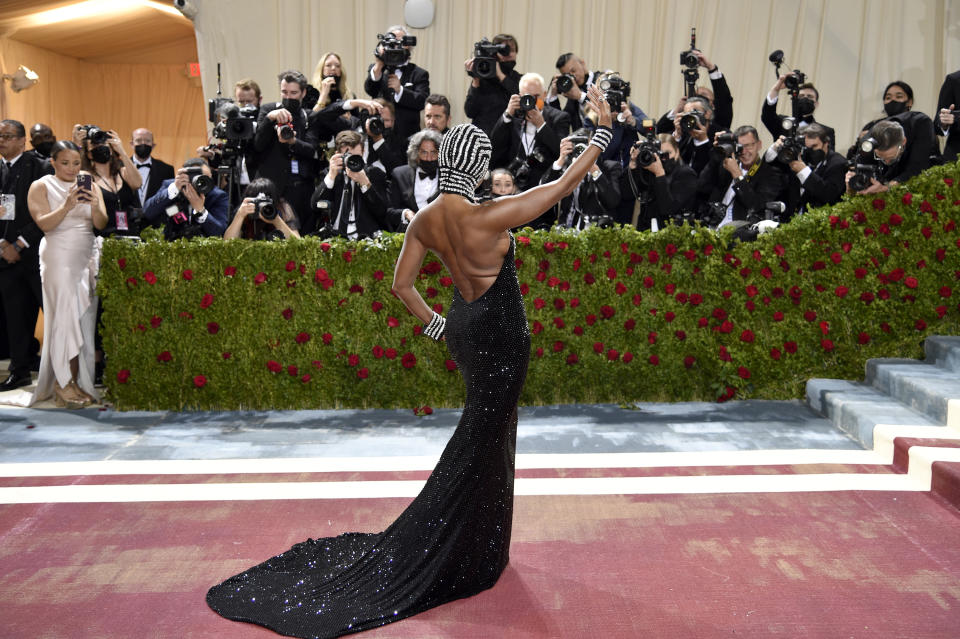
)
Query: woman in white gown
[{"x": 69, "y": 260}]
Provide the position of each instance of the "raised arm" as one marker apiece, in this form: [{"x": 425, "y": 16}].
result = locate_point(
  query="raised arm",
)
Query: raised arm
[
  {"x": 405, "y": 276},
  {"x": 511, "y": 212}
]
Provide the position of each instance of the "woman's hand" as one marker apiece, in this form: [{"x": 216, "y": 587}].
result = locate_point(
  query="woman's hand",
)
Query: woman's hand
[{"x": 600, "y": 105}]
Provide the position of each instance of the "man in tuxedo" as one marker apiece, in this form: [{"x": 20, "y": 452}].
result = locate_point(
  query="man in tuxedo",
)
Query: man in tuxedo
[
  {"x": 948, "y": 124},
  {"x": 385, "y": 150},
  {"x": 152, "y": 170},
  {"x": 407, "y": 85},
  {"x": 816, "y": 178},
  {"x": 719, "y": 97},
  {"x": 285, "y": 144},
  {"x": 527, "y": 142},
  {"x": 694, "y": 130},
  {"x": 741, "y": 183},
  {"x": 357, "y": 198},
  {"x": 416, "y": 183},
  {"x": 572, "y": 65},
  {"x": 20, "y": 287},
  {"x": 488, "y": 97},
  {"x": 803, "y": 107},
  {"x": 436, "y": 113},
  {"x": 42, "y": 140},
  {"x": 593, "y": 201},
  {"x": 904, "y": 144},
  {"x": 184, "y": 211}
]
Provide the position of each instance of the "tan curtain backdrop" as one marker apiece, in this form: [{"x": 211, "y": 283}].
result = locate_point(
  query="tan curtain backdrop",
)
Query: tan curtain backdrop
[
  {"x": 849, "y": 48},
  {"x": 121, "y": 97}
]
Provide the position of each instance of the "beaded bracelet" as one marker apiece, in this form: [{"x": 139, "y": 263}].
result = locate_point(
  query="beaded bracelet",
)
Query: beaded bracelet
[
  {"x": 601, "y": 138},
  {"x": 435, "y": 328}
]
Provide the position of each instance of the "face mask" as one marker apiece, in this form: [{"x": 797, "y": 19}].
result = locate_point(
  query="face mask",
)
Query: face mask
[
  {"x": 893, "y": 107},
  {"x": 812, "y": 157},
  {"x": 143, "y": 150},
  {"x": 668, "y": 164},
  {"x": 429, "y": 167},
  {"x": 805, "y": 107},
  {"x": 43, "y": 148},
  {"x": 101, "y": 154},
  {"x": 291, "y": 104},
  {"x": 507, "y": 67}
]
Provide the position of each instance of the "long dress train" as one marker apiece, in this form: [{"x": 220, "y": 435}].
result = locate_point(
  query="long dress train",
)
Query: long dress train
[
  {"x": 69, "y": 261},
  {"x": 452, "y": 541}
]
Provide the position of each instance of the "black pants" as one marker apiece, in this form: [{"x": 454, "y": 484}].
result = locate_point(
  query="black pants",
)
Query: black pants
[
  {"x": 22, "y": 297},
  {"x": 297, "y": 194}
]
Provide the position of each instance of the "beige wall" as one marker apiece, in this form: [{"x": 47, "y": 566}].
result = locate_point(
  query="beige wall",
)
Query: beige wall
[{"x": 117, "y": 96}]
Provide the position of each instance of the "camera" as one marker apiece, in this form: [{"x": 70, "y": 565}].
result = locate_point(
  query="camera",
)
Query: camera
[
  {"x": 527, "y": 103},
  {"x": 264, "y": 207},
  {"x": 95, "y": 134},
  {"x": 565, "y": 82},
  {"x": 580, "y": 143},
  {"x": 726, "y": 145},
  {"x": 201, "y": 182},
  {"x": 648, "y": 146},
  {"x": 616, "y": 91},
  {"x": 521, "y": 166},
  {"x": 793, "y": 144},
  {"x": 795, "y": 80},
  {"x": 692, "y": 120},
  {"x": 392, "y": 51},
  {"x": 485, "y": 58},
  {"x": 353, "y": 162},
  {"x": 864, "y": 165},
  {"x": 235, "y": 123},
  {"x": 375, "y": 124},
  {"x": 690, "y": 61},
  {"x": 286, "y": 131}
]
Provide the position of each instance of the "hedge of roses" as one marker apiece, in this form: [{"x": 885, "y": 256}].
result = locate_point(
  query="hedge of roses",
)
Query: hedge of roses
[{"x": 615, "y": 315}]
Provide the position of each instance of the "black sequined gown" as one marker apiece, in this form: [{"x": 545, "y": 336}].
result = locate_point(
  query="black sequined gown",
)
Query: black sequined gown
[{"x": 452, "y": 541}]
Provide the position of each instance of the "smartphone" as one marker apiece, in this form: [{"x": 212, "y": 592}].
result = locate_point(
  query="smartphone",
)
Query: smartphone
[{"x": 85, "y": 181}]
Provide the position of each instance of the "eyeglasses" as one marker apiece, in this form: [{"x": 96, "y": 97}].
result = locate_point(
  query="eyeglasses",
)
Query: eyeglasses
[
  {"x": 892, "y": 159},
  {"x": 10, "y": 136}
]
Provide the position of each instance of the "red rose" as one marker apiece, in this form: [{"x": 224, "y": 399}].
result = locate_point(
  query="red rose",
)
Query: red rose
[
  {"x": 611, "y": 273},
  {"x": 226, "y": 355},
  {"x": 879, "y": 204},
  {"x": 598, "y": 347},
  {"x": 213, "y": 328},
  {"x": 920, "y": 325},
  {"x": 627, "y": 357},
  {"x": 680, "y": 335},
  {"x": 778, "y": 316},
  {"x": 287, "y": 313},
  {"x": 557, "y": 346},
  {"x": 629, "y": 325},
  {"x": 648, "y": 282},
  {"x": 451, "y": 365},
  {"x": 810, "y": 315},
  {"x": 578, "y": 330},
  {"x": 260, "y": 278},
  {"x": 907, "y": 198},
  {"x": 122, "y": 263},
  {"x": 826, "y": 344},
  {"x": 123, "y": 375},
  {"x": 825, "y": 327},
  {"x": 230, "y": 271},
  {"x": 306, "y": 378},
  {"x": 911, "y": 282},
  {"x": 393, "y": 322},
  {"x": 613, "y": 355},
  {"x": 620, "y": 288},
  {"x": 841, "y": 291},
  {"x": 302, "y": 338},
  {"x": 149, "y": 277},
  {"x": 327, "y": 338},
  {"x": 347, "y": 256},
  {"x": 747, "y": 336},
  {"x": 376, "y": 307},
  {"x": 356, "y": 288},
  {"x": 390, "y": 353},
  {"x": 558, "y": 322},
  {"x": 863, "y": 338},
  {"x": 155, "y": 321},
  {"x": 539, "y": 352},
  {"x": 790, "y": 347},
  {"x": 651, "y": 337},
  {"x": 696, "y": 299},
  {"x": 363, "y": 373},
  {"x": 408, "y": 360},
  {"x": 377, "y": 351},
  {"x": 725, "y": 327},
  {"x": 895, "y": 220},
  {"x": 654, "y": 360},
  {"x": 572, "y": 359},
  {"x": 945, "y": 291},
  {"x": 274, "y": 366},
  {"x": 353, "y": 360},
  {"x": 724, "y": 354},
  {"x": 188, "y": 275},
  {"x": 866, "y": 297},
  {"x": 523, "y": 239},
  {"x": 775, "y": 353},
  {"x": 688, "y": 361},
  {"x": 558, "y": 304},
  {"x": 200, "y": 381},
  {"x": 743, "y": 372},
  {"x": 606, "y": 312},
  {"x": 164, "y": 356}
]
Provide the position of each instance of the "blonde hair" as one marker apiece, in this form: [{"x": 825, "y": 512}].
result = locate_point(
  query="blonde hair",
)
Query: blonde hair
[{"x": 342, "y": 86}]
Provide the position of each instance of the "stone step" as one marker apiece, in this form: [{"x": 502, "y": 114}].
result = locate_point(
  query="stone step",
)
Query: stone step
[
  {"x": 943, "y": 351},
  {"x": 927, "y": 388}
]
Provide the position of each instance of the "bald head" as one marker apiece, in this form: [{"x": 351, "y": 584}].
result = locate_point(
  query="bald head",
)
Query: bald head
[
  {"x": 42, "y": 139},
  {"x": 142, "y": 141}
]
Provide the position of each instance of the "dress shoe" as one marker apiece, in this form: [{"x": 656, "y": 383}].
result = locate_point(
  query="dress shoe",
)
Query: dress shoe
[{"x": 15, "y": 381}]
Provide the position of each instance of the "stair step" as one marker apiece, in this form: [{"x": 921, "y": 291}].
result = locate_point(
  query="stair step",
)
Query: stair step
[
  {"x": 943, "y": 351},
  {"x": 924, "y": 387}
]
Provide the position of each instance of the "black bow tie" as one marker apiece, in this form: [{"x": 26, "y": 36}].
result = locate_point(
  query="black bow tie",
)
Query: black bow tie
[
  {"x": 425, "y": 176},
  {"x": 145, "y": 164}
]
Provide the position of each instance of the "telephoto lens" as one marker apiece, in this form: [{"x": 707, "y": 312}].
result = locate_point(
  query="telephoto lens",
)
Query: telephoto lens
[
  {"x": 353, "y": 162},
  {"x": 564, "y": 83}
]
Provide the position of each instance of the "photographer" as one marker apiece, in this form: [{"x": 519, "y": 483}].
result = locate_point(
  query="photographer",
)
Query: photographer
[
  {"x": 436, "y": 113},
  {"x": 354, "y": 195},
  {"x": 572, "y": 82},
  {"x": 693, "y": 128},
  {"x": 42, "y": 140},
  {"x": 918, "y": 149},
  {"x": 117, "y": 176},
  {"x": 189, "y": 205},
  {"x": 895, "y": 159},
  {"x": 285, "y": 145},
  {"x": 659, "y": 179},
  {"x": 152, "y": 171},
  {"x": 738, "y": 181},
  {"x": 262, "y": 215},
  {"x": 719, "y": 98},
  {"x": 616, "y": 91},
  {"x": 385, "y": 149},
  {"x": 488, "y": 95},
  {"x": 394, "y": 77},
  {"x": 816, "y": 175},
  {"x": 948, "y": 124},
  {"x": 805, "y": 100},
  {"x": 415, "y": 184},
  {"x": 594, "y": 199},
  {"x": 331, "y": 81},
  {"x": 526, "y": 138}
]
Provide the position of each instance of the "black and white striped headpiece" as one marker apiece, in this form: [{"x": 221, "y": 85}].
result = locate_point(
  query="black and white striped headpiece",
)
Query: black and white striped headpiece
[{"x": 464, "y": 160}]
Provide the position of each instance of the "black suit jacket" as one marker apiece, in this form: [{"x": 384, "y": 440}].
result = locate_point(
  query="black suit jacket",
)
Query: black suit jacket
[
  {"x": 400, "y": 194},
  {"x": 487, "y": 102},
  {"x": 950, "y": 94},
  {"x": 572, "y": 107},
  {"x": 595, "y": 197},
  {"x": 25, "y": 172},
  {"x": 921, "y": 150},
  {"x": 672, "y": 194},
  {"x": 274, "y": 158},
  {"x": 774, "y": 122},
  {"x": 159, "y": 171},
  {"x": 750, "y": 194},
  {"x": 216, "y": 202},
  {"x": 416, "y": 88},
  {"x": 722, "y": 108},
  {"x": 825, "y": 185},
  {"x": 370, "y": 210},
  {"x": 507, "y": 145}
]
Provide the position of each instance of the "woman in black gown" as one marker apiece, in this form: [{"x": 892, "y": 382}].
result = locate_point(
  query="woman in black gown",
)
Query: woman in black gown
[{"x": 453, "y": 540}]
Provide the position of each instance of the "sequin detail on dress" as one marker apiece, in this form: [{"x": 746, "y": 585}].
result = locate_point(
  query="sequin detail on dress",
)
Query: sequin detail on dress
[{"x": 452, "y": 541}]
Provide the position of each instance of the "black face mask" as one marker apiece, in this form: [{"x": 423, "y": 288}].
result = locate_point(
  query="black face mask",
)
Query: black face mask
[
  {"x": 668, "y": 164},
  {"x": 43, "y": 148},
  {"x": 804, "y": 107},
  {"x": 143, "y": 151},
  {"x": 101, "y": 154},
  {"x": 893, "y": 107},
  {"x": 291, "y": 104},
  {"x": 429, "y": 167},
  {"x": 812, "y": 157},
  {"x": 507, "y": 67}
]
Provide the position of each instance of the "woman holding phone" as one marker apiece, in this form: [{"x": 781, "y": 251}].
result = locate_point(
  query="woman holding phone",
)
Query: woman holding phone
[{"x": 67, "y": 206}]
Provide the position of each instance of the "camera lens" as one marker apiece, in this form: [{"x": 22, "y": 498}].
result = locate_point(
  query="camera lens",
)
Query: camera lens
[
  {"x": 375, "y": 123},
  {"x": 564, "y": 83},
  {"x": 353, "y": 162}
]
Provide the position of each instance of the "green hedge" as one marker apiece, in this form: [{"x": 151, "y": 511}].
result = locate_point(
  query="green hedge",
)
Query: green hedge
[{"x": 616, "y": 315}]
